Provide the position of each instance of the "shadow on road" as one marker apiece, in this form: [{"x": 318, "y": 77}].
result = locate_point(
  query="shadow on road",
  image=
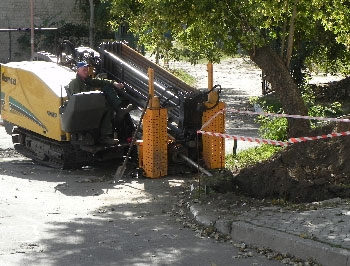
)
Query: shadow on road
[
  {"x": 103, "y": 222},
  {"x": 100, "y": 221},
  {"x": 136, "y": 234}
]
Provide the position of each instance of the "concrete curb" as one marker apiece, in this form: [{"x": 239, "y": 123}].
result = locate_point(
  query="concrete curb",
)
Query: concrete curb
[
  {"x": 282, "y": 242},
  {"x": 291, "y": 244},
  {"x": 202, "y": 218}
]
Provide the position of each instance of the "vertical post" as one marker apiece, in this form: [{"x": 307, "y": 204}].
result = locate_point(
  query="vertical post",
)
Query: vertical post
[
  {"x": 213, "y": 96},
  {"x": 213, "y": 147},
  {"x": 151, "y": 82},
  {"x": 151, "y": 88},
  {"x": 155, "y": 137},
  {"x": 210, "y": 75},
  {"x": 32, "y": 27},
  {"x": 10, "y": 41}
]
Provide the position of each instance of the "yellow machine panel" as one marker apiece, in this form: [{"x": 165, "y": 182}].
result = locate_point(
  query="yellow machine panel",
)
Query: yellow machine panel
[{"x": 31, "y": 95}]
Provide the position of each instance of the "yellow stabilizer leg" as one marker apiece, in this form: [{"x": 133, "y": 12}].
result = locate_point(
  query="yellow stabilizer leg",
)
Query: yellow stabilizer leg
[
  {"x": 154, "y": 146},
  {"x": 213, "y": 147},
  {"x": 155, "y": 137}
]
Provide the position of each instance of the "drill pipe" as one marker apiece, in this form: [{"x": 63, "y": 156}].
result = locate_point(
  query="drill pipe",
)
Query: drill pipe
[{"x": 189, "y": 161}]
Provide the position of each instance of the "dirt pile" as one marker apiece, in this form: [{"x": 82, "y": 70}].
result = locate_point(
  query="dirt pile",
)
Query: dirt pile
[
  {"x": 307, "y": 171},
  {"x": 333, "y": 91},
  {"x": 304, "y": 172}
]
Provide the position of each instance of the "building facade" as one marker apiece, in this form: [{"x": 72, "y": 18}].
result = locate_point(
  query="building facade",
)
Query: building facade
[{"x": 16, "y": 14}]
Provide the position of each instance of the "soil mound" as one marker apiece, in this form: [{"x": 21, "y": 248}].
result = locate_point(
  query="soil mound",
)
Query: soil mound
[
  {"x": 307, "y": 171},
  {"x": 304, "y": 172}
]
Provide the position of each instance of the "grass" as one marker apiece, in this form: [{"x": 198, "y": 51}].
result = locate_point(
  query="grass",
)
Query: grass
[
  {"x": 184, "y": 76},
  {"x": 251, "y": 156}
]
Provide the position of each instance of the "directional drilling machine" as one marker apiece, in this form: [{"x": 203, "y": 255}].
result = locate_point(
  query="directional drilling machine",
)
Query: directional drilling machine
[{"x": 58, "y": 132}]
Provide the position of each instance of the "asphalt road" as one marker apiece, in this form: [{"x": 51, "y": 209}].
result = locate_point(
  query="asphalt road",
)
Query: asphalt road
[{"x": 53, "y": 218}]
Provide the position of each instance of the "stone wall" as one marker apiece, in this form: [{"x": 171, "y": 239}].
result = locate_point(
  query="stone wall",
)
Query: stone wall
[{"x": 16, "y": 14}]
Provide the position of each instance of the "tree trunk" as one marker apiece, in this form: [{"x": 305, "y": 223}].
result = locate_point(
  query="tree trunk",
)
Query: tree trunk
[
  {"x": 285, "y": 87},
  {"x": 92, "y": 24}
]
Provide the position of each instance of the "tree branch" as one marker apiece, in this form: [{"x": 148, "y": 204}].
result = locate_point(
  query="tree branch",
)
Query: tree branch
[{"x": 291, "y": 34}]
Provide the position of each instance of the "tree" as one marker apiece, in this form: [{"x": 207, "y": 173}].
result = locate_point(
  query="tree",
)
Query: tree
[
  {"x": 271, "y": 32},
  {"x": 92, "y": 23},
  {"x": 334, "y": 16},
  {"x": 97, "y": 13}
]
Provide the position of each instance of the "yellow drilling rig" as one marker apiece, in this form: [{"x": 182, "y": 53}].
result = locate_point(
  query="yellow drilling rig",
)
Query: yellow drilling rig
[{"x": 56, "y": 131}]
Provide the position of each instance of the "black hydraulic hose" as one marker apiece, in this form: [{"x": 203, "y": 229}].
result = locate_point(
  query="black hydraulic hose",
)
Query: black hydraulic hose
[{"x": 207, "y": 93}]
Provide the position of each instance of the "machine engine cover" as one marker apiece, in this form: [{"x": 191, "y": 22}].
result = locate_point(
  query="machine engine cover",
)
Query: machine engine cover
[{"x": 83, "y": 111}]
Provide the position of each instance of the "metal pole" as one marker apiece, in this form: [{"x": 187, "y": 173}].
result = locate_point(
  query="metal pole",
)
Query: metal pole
[
  {"x": 32, "y": 27},
  {"x": 10, "y": 42},
  {"x": 189, "y": 161}
]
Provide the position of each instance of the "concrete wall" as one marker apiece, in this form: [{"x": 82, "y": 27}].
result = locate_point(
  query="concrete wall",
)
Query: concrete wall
[{"x": 16, "y": 14}]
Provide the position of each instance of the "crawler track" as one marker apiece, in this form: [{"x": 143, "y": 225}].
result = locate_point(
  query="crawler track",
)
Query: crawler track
[{"x": 50, "y": 152}]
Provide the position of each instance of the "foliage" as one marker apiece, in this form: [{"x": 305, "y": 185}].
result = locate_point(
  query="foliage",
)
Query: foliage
[
  {"x": 184, "y": 76},
  {"x": 76, "y": 33},
  {"x": 24, "y": 45},
  {"x": 334, "y": 17},
  {"x": 276, "y": 128},
  {"x": 49, "y": 40},
  {"x": 251, "y": 156},
  {"x": 327, "y": 55},
  {"x": 101, "y": 18},
  {"x": 273, "y": 128},
  {"x": 209, "y": 29},
  {"x": 316, "y": 109}
]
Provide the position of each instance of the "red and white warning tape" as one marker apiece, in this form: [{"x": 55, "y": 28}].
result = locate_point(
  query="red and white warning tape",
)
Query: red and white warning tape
[
  {"x": 274, "y": 142},
  {"x": 331, "y": 135},
  {"x": 250, "y": 139},
  {"x": 346, "y": 120}
]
